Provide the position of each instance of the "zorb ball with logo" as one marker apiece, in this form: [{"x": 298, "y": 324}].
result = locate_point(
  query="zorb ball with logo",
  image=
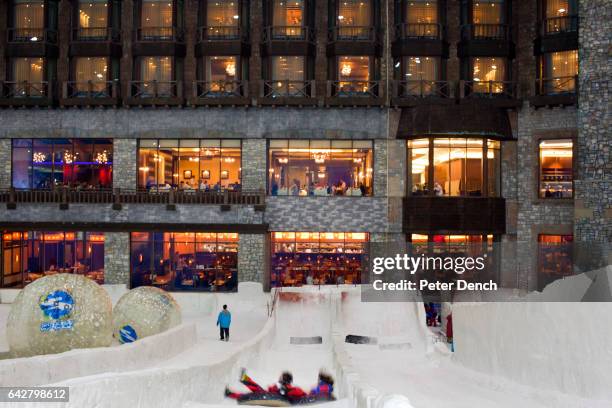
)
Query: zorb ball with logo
[
  {"x": 143, "y": 312},
  {"x": 59, "y": 313}
]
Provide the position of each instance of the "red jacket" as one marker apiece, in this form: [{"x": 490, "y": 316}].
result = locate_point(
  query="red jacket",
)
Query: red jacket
[{"x": 288, "y": 390}]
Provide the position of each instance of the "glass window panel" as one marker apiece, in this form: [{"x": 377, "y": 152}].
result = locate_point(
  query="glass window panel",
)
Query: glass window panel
[
  {"x": 28, "y": 19},
  {"x": 419, "y": 165},
  {"x": 231, "y": 168},
  {"x": 287, "y": 75},
  {"x": 354, "y": 18},
  {"x": 156, "y": 14},
  {"x": 189, "y": 164},
  {"x": 28, "y": 74},
  {"x": 557, "y": 8},
  {"x": 287, "y": 18},
  {"x": 22, "y": 166},
  {"x": 93, "y": 18},
  {"x": 555, "y": 259},
  {"x": 488, "y": 12},
  {"x": 148, "y": 143},
  {"x": 560, "y": 71},
  {"x": 91, "y": 69},
  {"x": 494, "y": 168},
  {"x": 168, "y": 143},
  {"x": 556, "y": 168},
  {"x": 157, "y": 69},
  {"x": 222, "y": 13},
  {"x": 210, "y": 167},
  {"x": 473, "y": 168},
  {"x": 221, "y": 72},
  {"x": 488, "y": 74},
  {"x": 279, "y": 143},
  {"x": 421, "y": 11},
  {"x": 278, "y": 160},
  {"x": 231, "y": 143},
  {"x": 210, "y": 143}
]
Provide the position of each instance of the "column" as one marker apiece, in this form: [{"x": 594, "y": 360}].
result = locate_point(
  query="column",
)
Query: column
[
  {"x": 117, "y": 258},
  {"x": 125, "y": 159},
  {"x": 253, "y": 259},
  {"x": 254, "y": 164}
]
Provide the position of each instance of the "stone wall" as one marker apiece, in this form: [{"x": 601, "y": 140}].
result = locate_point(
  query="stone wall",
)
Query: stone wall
[
  {"x": 117, "y": 258},
  {"x": 254, "y": 161},
  {"x": 253, "y": 258},
  {"x": 125, "y": 157},
  {"x": 5, "y": 163}
]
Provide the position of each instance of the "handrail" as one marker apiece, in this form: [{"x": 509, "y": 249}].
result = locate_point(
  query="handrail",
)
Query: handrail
[
  {"x": 68, "y": 195},
  {"x": 557, "y": 85},
  {"x": 287, "y": 88},
  {"x": 219, "y": 33},
  {"x": 353, "y": 88},
  {"x": 16, "y": 35},
  {"x": 288, "y": 33},
  {"x": 353, "y": 33},
  {"x": 422, "y": 88},
  {"x": 220, "y": 89},
  {"x": 90, "y": 89},
  {"x": 558, "y": 25},
  {"x": 485, "y": 31},
  {"x": 419, "y": 30},
  {"x": 156, "y": 89},
  {"x": 490, "y": 89},
  {"x": 86, "y": 34},
  {"x": 153, "y": 34},
  {"x": 25, "y": 89}
]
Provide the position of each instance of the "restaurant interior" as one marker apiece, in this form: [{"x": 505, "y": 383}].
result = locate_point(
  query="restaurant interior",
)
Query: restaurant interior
[
  {"x": 556, "y": 168},
  {"x": 555, "y": 259}
]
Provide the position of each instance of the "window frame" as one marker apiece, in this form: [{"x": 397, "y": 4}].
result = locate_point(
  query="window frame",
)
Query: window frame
[{"x": 539, "y": 169}]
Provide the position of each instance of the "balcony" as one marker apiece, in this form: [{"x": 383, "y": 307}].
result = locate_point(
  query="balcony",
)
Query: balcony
[
  {"x": 220, "y": 93},
  {"x": 24, "y": 93},
  {"x": 222, "y": 40},
  {"x": 31, "y": 42},
  {"x": 416, "y": 92},
  {"x": 557, "y": 34},
  {"x": 155, "y": 93},
  {"x": 288, "y": 40},
  {"x": 559, "y": 25},
  {"x": 354, "y": 93},
  {"x": 95, "y": 42},
  {"x": 90, "y": 93},
  {"x": 454, "y": 215},
  {"x": 419, "y": 39},
  {"x": 560, "y": 91},
  {"x": 287, "y": 93},
  {"x": 502, "y": 94},
  {"x": 159, "y": 41},
  {"x": 494, "y": 40},
  {"x": 353, "y": 40}
]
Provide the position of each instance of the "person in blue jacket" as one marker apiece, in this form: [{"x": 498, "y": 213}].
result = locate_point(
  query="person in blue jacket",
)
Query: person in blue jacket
[{"x": 223, "y": 321}]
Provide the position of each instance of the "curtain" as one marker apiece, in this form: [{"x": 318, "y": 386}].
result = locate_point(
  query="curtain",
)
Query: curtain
[
  {"x": 421, "y": 68},
  {"x": 557, "y": 8},
  {"x": 357, "y": 13},
  {"x": 288, "y": 68},
  {"x": 93, "y": 18},
  {"x": 156, "y": 69},
  {"x": 29, "y": 18},
  {"x": 91, "y": 69},
  {"x": 288, "y": 13},
  {"x": 222, "y": 13},
  {"x": 561, "y": 69},
  {"x": 488, "y": 74},
  {"x": 156, "y": 14},
  {"x": 422, "y": 12},
  {"x": 488, "y": 12}
]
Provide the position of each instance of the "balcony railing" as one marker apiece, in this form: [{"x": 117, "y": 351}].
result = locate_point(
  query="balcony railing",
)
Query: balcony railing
[
  {"x": 353, "y": 33},
  {"x": 153, "y": 34},
  {"x": 288, "y": 33},
  {"x": 559, "y": 25},
  {"x": 488, "y": 89},
  {"x": 86, "y": 34},
  {"x": 219, "y": 33},
  {"x": 422, "y": 89},
  {"x": 156, "y": 89},
  {"x": 25, "y": 89},
  {"x": 90, "y": 89},
  {"x": 64, "y": 195},
  {"x": 431, "y": 31},
  {"x": 220, "y": 89},
  {"x": 556, "y": 86},
  {"x": 485, "y": 32},
  {"x": 31, "y": 35},
  {"x": 349, "y": 89},
  {"x": 286, "y": 88}
]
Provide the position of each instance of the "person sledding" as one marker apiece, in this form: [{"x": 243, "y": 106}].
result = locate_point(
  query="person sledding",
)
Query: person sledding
[
  {"x": 324, "y": 388},
  {"x": 284, "y": 389}
]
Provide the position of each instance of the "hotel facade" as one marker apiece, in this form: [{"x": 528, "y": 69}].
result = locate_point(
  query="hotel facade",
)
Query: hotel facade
[{"x": 192, "y": 145}]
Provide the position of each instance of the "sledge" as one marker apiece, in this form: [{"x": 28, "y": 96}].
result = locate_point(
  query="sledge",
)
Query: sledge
[{"x": 268, "y": 399}]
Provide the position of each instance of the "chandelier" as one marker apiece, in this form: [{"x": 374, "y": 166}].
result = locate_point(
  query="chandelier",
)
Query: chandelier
[
  {"x": 230, "y": 69},
  {"x": 102, "y": 158},
  {"x": 320, "y": 157},
  {"x": 229, "y": 159},
  {"x": 38, "y": 157},
  {"x": 68, "y": 158},
  {"x": 346, "y": 69}
]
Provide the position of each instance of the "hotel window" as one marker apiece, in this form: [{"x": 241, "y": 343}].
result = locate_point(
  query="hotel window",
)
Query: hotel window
[
  {"x": 93, "y": 19},
  {"x": 560, "y": 16},
  {"x": 320, "y": 167},
  {"x": 555, "y": 259},
  {"x": 422, "y": 18},
  {"x": 191, "y": 261},
  {"x": 559, "y": 72},
  {"x": 28, "y": 77},
  {"x": 49, "y": 163},
  {"x": 207, "y": 164},
  {"x": 454, "y": 167},
  {"x": 288, "y": 77},
  {"x": 28, "y": 256},
  {"x": 488, "y": 19},
  {"x": 28, "y": 20},
  {"x": 353, "y": 75},
  {"x": 156, "y": 20},
  {"x": 318, "y": 258},
  {"x": 421, "y": 75},
  {"x": 91, "y": 75},
  {"x": 222, "y": 75},
  {"x": 222, "y": 18},
  {"x": 556, "y": 168},
  {"x": 156, "y": 76},
  {"x": 287, "y": 18},
  {"x": 488, "y": 74},
  {"x": 355, "y": 19}
]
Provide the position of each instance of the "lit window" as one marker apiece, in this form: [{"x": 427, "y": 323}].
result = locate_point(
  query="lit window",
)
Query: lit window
[
  {"x": 488, "y": 74},
  {"x": 93, "y": 18},
  {"x": 555, "y": 259},
  {"x": 91, "y": 74},
  {"x": 420, "y": 74},
  {"x": 287, "y": 76},
  {"x": 354, "y": 18},
  {"x": 556, "y": 168},
  {"x": 28, "y": 20},
  {"x": 222, "y": 18},
  {"x": 156, "y": 19},
  {"x": 27, "y": 77},
  {"x": 559, "y": 72},
  {"x": 287, "y": 18}
]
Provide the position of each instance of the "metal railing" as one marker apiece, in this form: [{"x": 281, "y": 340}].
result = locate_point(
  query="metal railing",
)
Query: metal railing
[
  {"x": 288, "y": 33},
  {"x": 432, "y": 31},
  {"x": 485, "y": 32},
  {"x": 90, "y": 89},
  {"x": 422, "y": 89},
  {"x": 487, "y": 89},
  {"x": 559, "y": 85},
  {"x": 286, "y": 88},
  {"x": 153, "y": 34},
  {"x": 28, "y": 35},
  {"x": 86, "y": 34},
  {"x": 559, "y": 25},
  {"x": 220, "y": 89},
  {"x": 353, "y": 33},
  {"x": 66, "y": 195},
  {"x": 219, "y": 33},
  {"x": 25, "y": 89},
  {"x": 156, "y": 89},
  {"x": 347, "y": 89}
]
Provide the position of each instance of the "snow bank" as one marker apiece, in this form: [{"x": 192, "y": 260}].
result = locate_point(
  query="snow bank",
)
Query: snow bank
[
  {"x": 52, "y": 368},
  {"x": 556, "y": 346}
]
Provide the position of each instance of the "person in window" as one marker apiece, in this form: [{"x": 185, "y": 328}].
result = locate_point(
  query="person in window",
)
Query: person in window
[
  {"x": 295, "y": 187},
  {"x": 362, "y": 187},
  {"x": 274, "y": 189},
  {"x": 204, "y": 185},
  {"x": 438, "y": 190}
]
